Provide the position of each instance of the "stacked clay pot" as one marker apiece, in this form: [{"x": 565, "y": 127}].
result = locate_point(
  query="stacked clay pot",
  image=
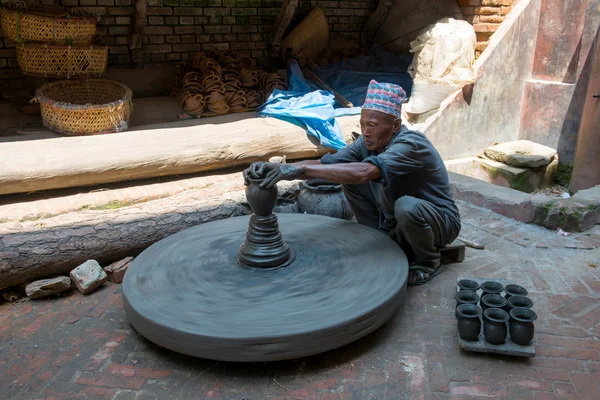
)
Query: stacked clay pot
[{"x": 212, "y": 84}]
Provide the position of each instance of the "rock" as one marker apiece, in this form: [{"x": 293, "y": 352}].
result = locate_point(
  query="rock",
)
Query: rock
[
  {"x": 116, "y": 271},
  {"x": 88, "y": 276},
  {"x": 521, "y": 153},
  {"x": 46, "y": 287}
]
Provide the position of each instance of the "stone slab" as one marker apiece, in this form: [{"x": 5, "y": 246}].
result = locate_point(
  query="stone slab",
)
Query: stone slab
[
  {"x": 482, "y": 346},
  {"x": 47, "y": 287},
  {"x": 116, "y": 271},
  {"x": 88, "y": 276},
  {"x": 521, "y": 154}
]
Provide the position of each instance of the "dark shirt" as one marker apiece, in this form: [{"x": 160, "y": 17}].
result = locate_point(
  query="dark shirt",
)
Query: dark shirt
[{"x": 410, "y": 166}]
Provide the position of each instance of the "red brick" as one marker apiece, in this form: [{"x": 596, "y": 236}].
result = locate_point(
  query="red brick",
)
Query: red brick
[
  {"x": 585, "y": 386},
  {"x": 436, "y": 369},
  {"x": 158, "y": 30},
  {"x": 120, "y": 10},
  {"x": 497, "y": 2},
  {"x": 575, "y": 306},
  {"x": 159, "y": 11},
  {"x": 505, "y": 10},
  {"x": 493, "y": 19},
  {"x": 105, "y": 352}
]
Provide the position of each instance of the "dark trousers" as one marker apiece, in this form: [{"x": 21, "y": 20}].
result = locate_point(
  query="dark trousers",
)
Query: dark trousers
[{"x": 420, "y": 229}]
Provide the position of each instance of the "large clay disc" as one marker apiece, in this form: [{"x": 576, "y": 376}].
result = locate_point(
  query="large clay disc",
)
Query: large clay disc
[{"x": 187, "y": 292}]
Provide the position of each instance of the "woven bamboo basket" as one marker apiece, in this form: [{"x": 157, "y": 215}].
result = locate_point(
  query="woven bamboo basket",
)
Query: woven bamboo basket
[
  {"x": 47, "y": 24},
  {"x": 85, "y": 107},
  {"x": 54, "y": 61},
  {"x": 310, "y": 37}
]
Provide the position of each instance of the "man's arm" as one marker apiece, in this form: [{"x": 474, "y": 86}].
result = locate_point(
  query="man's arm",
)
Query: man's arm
[{"x": 354, "y": 173}]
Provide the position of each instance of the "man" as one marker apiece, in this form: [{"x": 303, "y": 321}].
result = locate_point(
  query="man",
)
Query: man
[{"x": 393, "y": 178}]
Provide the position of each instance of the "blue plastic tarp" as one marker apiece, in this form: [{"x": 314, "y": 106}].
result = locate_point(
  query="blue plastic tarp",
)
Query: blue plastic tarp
[{"x": 305, "y": 105}]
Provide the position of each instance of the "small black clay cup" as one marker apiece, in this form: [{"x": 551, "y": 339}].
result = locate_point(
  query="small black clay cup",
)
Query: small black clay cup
[
  {"x": 514, "y": 290},
  {"x": 494, "y": 325},
  {"x": 519, "y": 302},
  {"x": 465, "y": 297},
  {"x": 469, "y": 322},
  {"x": 521, "y": 325},
  {"x": 490, "y": 287},
  {"x": 492, "y": 301},
  {"x": 261, "y": 200},
  {"x": 467, "y": 284}
]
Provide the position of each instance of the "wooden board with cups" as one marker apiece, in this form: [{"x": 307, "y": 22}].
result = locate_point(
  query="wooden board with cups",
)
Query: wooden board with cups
[{"x": 498, "y": 289}]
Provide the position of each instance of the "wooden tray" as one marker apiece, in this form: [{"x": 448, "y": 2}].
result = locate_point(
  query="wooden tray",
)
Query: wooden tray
[{"x": 482, "y": 346}]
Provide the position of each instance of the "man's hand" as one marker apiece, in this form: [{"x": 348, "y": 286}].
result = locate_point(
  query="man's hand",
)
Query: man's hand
[
  {"x": 281, "y": 172},
  {"x": 257, "y": 170}
]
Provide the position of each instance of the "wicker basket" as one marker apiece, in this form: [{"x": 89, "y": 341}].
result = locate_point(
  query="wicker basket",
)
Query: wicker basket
[
  {"x": 85, "y": 107},
  {"x": 54, "y": 61},
  {"x": 47, "y": 24},
  {"x": 310, "y": 37}
]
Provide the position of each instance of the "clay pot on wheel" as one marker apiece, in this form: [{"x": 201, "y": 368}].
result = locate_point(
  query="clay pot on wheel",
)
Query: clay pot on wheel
[
  {"x": 324, "y": 198},
  {"x": 469, "y": 324},
  {"x": 465, "y": 297},
  {"x": 514, "y": 290},
  {"x": 261, "y": 200},
  {"x": 522, "y": 329},
  {"x": 467, "y": 284},
  {"x": 494, "y": 325},
  {"x": 492, "y": 301}
]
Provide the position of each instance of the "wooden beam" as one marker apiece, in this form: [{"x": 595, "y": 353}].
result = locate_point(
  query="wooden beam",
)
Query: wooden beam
[
  {"x": 281, "y": 23},
  {"x": 374, "y": 22},
  {"x": 91, "y": 160}
]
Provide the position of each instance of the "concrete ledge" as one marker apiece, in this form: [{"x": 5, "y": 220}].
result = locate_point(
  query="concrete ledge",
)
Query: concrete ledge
[{"x": 577, "y": 214}]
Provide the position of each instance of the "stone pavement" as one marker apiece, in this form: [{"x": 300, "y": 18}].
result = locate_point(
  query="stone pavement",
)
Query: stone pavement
[{"x": 81, "y": 347}]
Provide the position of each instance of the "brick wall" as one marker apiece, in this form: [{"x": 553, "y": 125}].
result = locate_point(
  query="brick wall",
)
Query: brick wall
[
  {"x": 177, "y": 27},
  {"x": 486, "y": 16}
]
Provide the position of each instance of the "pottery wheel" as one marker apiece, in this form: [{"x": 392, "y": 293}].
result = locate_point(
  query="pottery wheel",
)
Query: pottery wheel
[{"x": 188, "y": 293}]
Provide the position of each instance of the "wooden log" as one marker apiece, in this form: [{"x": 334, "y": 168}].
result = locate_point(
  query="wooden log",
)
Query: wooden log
[{"x": 83, "y": 161}]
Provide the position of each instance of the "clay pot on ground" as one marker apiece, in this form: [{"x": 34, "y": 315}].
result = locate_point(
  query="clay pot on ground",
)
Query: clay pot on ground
[
  {"x": 323, "y": 62},
  {"x": 219, "y": 108},
  {"x": 492, "y": 301},
  {"x": 250, "y": 82},
  {"x": 494, "y": 325},
  {"x": 514, "y": 290},
  {"x": 467, "y": 284},
  {"x": 465, "y": 297},
  {"x": 519, "y": 302},
  {"x": 522, "y": 328},
  {"x": 229, "y": 95},
  {"x": 261, "y": 200},
  {"x": 184, "y": 96},
  {"x": 210, "y": 79},
  {"x": 321, "y": 197},
  {"x": 194, "y": 102},
  {"x": 253, "y": 99},
  {"x": 469, "y": 322},
  {"x": 491, "y": 287}
]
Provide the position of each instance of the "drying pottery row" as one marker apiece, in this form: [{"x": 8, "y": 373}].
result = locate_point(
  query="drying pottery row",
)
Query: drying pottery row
[
  {"x": 221, "y": 83},
  {"x": 493, "y": 315}
]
